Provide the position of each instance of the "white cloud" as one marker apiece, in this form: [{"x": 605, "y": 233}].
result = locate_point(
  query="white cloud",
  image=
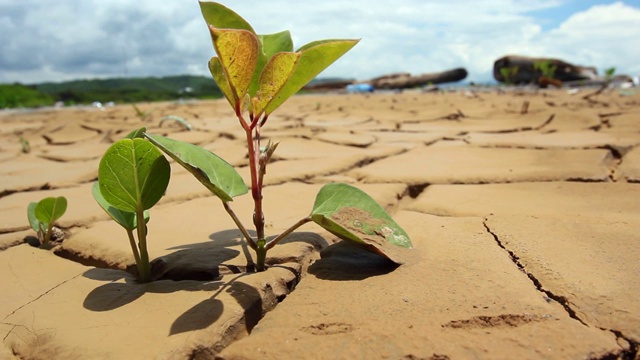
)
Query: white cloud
[
  {"x": 103, "y": 38},
  {"x": 602, "y": 36}
]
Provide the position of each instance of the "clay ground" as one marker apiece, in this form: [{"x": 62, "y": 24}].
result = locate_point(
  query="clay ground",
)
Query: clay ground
[{"x": 526, "y": 233}]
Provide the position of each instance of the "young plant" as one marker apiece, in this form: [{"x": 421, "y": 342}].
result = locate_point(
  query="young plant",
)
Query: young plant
[
  {"x": 509, "y": 73},
  {"x": 609, "y": 72},
  {"x": 132, "y": 177},
  {"x": 256, "y": 74},
  {"x": 142, "y": 115},
  {"x": 545, "y": 68},
  {"x": 608, "y": 79},
  {"x": 25, "y": 147},
  {"x": 547, "y": 72},
  {"x": 43, "y": 214}
]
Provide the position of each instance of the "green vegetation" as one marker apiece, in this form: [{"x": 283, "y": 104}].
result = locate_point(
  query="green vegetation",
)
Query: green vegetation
[
  {"x": 132, "y": 177},
  {"x": 25, "y": 147},
  {"x": 547, "y": 73},
  {"x": 43, "y": 214},
  {"x": 509, "y": 74},
  {"x": 545, "y": 68},
  {"x": 120, "y": 90},
  {"x": 129, "y": 90},
  {"x": 22, "y": 96},
  {"x": 609, "y": 72},
  {"x": 142, "y": 115},
  {"x": 256, "y": 74}
]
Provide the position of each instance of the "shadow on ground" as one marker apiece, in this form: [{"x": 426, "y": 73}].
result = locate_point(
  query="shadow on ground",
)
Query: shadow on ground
[{"x": 343, "y": 261}]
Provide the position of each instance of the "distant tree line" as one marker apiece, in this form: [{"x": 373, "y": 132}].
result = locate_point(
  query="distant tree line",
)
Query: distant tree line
[
  {"x": 19, "y": 96},
  {"x": 118, "y": 90}
]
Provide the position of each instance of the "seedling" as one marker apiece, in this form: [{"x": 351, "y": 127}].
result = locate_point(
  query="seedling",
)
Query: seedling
[
  {"x": 608, "y": 73},
  {"x": 142, "y": 115},
  {"x": 132, "y": 177},
  {"x": 43, "y": 214},
  {"x": 608, "y": 78},
  {"x": 25, "y": 147},
  {"x": 256, "y": 74},
  {"x": 509, "y": 73},
  {"x": 547, "y": 72},
  {"x": 545, "y": 68}
]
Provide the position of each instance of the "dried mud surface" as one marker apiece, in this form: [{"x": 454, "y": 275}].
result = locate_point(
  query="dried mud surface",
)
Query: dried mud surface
[{"x": 525, "y": 232}]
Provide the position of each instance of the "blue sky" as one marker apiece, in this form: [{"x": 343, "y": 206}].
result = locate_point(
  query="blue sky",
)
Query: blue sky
[
  {"x": 115, "y": 38},
  {"x": 552, "y": 17}
]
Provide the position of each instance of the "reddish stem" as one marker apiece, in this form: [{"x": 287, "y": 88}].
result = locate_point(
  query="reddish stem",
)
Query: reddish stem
[{"x": 253, "y": 144}]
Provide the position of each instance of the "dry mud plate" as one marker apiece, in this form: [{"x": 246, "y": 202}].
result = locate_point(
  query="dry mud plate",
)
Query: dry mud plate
[{"x": 525, "y": 232}]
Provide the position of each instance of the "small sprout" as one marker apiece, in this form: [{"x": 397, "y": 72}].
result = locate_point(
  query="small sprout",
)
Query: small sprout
[
  {"x": 545, "y": 68},
  {"x": 25, "y": 147},
  {"x": 607, "y": 82},
  {"x": 509, "y": 74},
  {"x": 609, "y": 72},
  {"x": 547, "y": 73},
  {"x": 267, "y": 151},
  {"x": 43, "y": 214},
  {"x": 142, "y": 115},
  {"x": 132, "y": 177}
]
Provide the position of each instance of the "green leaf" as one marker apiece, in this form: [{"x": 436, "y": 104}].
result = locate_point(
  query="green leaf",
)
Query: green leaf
[
  {"x": 273, "y": 78},
  {"x": 31, "y": 215},
  {"x": 137, "y": 133},
  {"x": 316, "y": 57},
  {"x": 275, "y": 43},
  {"x": 222, "y": 17},
  {"x": 212, "y": 171},
  {"x": 125, "y": 219},
  {"x": 133, "y": 175},
  {"x": 237, "y": 53},
  {"x": 50, "y": 209},
  {"x": 352, "y": 215},
  {"x": 270, "y": 45}
]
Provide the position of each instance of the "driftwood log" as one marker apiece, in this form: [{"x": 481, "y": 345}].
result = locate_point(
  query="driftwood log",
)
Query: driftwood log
[
  {"x": 525, "y": 71},
  {"x": 395, "y": 81},
  {"x": 406, "y": 80},
  {"x": 329, "y": 85}
]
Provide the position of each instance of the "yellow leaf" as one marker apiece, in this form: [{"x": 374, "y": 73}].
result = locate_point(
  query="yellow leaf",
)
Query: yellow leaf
[
  {"x": 274, "y": 76},
  {"x": 238, "y": 53}
]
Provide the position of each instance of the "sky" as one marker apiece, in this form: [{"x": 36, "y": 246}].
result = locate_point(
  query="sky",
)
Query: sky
[{"x": 45, "y": 41}]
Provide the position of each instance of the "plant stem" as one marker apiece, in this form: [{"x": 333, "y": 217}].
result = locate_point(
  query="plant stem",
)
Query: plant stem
[
  {"x": 144, "y": 270},
  {"x": 241, "y": 227},
  {"x": 271, "y": 243},
  {"x": 47, "y": 235},
  {"x": 253, "y": 145},
  {"x": 261, "y": 255},
  {"x": 252, "y": 131},
  {"x": 134, "y": 248}
]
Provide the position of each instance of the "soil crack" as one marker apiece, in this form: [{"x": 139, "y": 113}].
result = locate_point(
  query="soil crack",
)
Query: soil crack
[
  {"x": 41, "y": 295},
  {"x": 549, "y": 120},
  {"x": 566, "y": 304},
  {"x": 630, "y": 352}
]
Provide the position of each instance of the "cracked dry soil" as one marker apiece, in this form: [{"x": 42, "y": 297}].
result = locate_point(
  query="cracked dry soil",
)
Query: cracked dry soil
[{"x": 524, "y": 222}]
